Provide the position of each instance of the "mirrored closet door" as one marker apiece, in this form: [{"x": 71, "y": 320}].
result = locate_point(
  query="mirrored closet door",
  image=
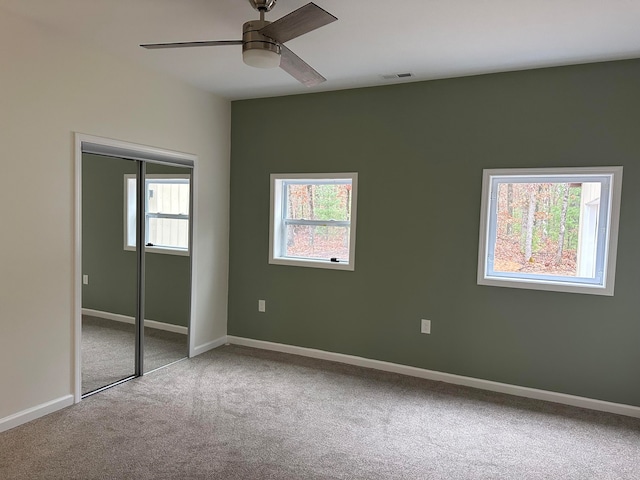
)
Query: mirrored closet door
[
  {"x": 136, "y": 296},
  {"x": 167, "y": 265},
  {"x": 109, "y": 290}
]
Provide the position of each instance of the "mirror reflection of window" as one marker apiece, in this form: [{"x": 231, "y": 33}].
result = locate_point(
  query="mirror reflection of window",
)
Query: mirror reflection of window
[{"x": 166, "y": 213}]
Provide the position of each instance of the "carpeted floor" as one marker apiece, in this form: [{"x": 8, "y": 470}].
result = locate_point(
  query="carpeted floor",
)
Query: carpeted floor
[
  {"x": 241, "y": 413},
  {"x": 108, "y": 351}
]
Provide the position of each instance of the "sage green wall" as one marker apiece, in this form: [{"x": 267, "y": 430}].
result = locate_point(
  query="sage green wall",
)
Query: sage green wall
[
  {"x": 111, "y": 269},
  {"x": 420, "y": 149}
]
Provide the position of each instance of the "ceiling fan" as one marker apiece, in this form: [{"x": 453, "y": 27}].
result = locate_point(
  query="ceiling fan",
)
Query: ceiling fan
[{"x": 263, "y": 41}]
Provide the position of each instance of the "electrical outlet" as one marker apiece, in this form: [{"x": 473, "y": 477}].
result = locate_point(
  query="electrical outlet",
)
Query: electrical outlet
[
  {"x": 262, "y": 306},
  {"x": 425, "y": 326},
  {"x": 85, "y": 279}
]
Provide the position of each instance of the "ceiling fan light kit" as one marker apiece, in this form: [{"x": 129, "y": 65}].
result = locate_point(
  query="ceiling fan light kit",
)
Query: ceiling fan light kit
[
  {"x": 263, "y": 42},
  {"x": 261, "y": 58}
]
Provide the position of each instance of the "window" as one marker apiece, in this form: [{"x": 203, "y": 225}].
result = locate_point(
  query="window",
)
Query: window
[
  {"x": 313, "y": 218},
  {"x": 550, "y": 229},
  {"x": 166, "y": 214}
]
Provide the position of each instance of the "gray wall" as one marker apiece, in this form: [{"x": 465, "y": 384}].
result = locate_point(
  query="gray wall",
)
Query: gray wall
[
  {"x": 420, "y": 149},
  {"x": 111, "y": 269}
]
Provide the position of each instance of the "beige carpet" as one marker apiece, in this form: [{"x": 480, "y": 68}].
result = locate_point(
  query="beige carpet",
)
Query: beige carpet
[{"x": 240, "y": 413}]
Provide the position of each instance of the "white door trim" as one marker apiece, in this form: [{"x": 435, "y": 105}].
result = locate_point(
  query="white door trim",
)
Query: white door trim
[{"x": 142, "y": 152}]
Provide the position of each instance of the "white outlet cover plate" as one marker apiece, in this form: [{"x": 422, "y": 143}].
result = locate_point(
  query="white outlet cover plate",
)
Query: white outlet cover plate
[{"x": 425, "y": 326}]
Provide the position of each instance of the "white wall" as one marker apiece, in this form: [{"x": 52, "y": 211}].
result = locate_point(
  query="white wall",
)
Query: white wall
[{"x": 51, "y": 87}]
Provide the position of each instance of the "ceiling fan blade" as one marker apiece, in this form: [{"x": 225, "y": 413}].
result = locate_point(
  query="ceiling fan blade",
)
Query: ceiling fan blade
[
  {"x": 298, "y": 22},
  {"x": 212, "y": 43},
  {"x": 298, "y": 68}
]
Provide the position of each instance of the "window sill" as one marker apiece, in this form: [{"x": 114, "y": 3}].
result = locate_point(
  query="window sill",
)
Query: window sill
[
  {"x": 164, "y": 251},
  {"x": 550, "y": 286},
  {"x": 312, "y": 263}
]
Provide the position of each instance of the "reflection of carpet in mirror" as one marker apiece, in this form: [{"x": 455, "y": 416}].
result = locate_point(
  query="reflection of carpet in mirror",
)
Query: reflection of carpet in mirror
[{"x": 108, "y": 350}]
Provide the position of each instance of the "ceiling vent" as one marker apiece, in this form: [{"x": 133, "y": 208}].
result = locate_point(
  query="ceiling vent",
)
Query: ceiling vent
[{"x": 395, "y": 76}]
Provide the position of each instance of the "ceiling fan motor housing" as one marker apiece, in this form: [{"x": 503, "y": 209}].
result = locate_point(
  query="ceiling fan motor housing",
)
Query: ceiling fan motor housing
[{"x": 253, "y": 40}]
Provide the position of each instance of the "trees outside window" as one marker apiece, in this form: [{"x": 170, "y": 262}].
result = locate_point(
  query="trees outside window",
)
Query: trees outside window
[
  {"x": 550, "y": 228},
  {"x": 313, "y": 220}
]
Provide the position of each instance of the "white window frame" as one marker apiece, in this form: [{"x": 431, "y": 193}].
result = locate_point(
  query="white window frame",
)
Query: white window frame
[
  {"x": 607, "y": 238},
  {"x": 130, "y": 213},
  {"x": 277, "y": 225}
]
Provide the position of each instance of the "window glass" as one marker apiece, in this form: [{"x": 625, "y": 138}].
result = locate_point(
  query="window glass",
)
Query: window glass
[
  {"x": 547, "y": 228},
  {"x": 317, "y": 241},
  {"x": 318, "y": 201}
]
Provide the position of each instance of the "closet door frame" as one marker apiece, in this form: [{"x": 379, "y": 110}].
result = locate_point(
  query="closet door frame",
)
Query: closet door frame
[{"x": 143, "y": 154}]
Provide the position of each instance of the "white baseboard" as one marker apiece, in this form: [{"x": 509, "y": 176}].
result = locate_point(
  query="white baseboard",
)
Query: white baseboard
[
  {"x": 32, "y": 413},
  {"x": 573, "y": 400},
  {"x": 205, "y": 347},
  {"x": 168, "y": 327}
]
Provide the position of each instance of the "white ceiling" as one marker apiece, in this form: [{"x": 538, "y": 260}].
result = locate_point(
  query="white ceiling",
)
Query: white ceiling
[{"x": 428, "y": 38}]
